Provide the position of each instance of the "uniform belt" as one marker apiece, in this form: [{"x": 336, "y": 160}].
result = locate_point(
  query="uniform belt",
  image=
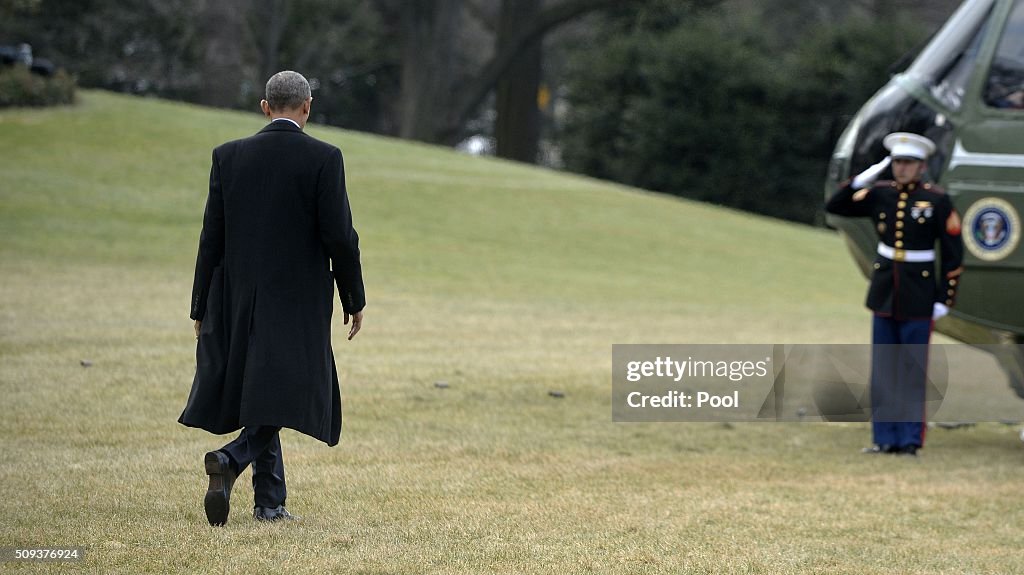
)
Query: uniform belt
[{"x": 898, "y": 255}]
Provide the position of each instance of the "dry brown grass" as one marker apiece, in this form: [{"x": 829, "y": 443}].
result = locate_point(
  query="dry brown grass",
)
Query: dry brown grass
[{"x": 505, "y": 282}]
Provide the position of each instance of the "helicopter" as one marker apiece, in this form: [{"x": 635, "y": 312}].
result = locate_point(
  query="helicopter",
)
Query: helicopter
[{"x": 965, "y": 91}]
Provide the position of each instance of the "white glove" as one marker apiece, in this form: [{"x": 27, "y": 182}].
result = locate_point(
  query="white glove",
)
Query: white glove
[
  {"x": 868, "y": 176},
  {"x": 939, "y": 310}
]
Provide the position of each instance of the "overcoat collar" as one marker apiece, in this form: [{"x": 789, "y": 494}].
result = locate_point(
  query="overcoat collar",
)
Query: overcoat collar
[{"x": 282, "y": 126}]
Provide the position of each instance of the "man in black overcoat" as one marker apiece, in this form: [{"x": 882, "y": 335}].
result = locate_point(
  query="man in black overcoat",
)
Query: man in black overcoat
[{"x": 277, "y": 223}]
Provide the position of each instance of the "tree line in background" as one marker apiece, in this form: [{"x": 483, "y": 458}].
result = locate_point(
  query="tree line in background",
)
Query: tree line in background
[
  {"x": 736, "y": 102},
  {"x": 740, "y": 107}
]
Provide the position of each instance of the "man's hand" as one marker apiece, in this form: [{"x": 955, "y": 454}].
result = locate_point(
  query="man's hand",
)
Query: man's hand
[
  {"x": 357, "y": 322},
  {"x": 199, "y": 324},
  {"x": 868, "y": 176}
]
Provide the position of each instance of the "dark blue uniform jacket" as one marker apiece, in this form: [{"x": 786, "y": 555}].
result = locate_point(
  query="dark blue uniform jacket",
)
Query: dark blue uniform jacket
[{"x": 915, "y": 217}]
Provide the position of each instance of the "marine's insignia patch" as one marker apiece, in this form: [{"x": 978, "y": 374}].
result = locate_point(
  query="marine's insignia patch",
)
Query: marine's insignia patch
[{"x": 993, "y": 229}]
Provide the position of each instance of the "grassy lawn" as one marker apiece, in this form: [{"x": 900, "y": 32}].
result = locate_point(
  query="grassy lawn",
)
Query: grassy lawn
[{"x": 505, "y": 281}]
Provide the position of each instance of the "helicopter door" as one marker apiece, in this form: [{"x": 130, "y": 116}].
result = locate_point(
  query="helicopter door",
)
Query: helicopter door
[
  {"x": 989, "y": 145},
  {"x": 985, "y": 176},
  {"x": 1004, "y": 84},
  {"x": 991, "y": 139}
]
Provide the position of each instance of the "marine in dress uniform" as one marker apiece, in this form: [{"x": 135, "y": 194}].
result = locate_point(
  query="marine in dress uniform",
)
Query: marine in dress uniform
[{"x": 908, "y": 291}]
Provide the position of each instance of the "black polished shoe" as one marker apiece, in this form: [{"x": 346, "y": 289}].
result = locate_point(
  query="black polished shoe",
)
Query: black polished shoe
[
  {"x": 878, "y": 449},
  {"x": 907, "y": 450},
  {"x": 278, "y": 513},
  {"x": 218, "y": 495}
]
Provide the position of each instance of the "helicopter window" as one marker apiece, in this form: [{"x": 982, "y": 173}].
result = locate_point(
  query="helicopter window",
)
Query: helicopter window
[
  {"x": 951, "y": 87},
  {"x": 1005, "y": 86},
  {"x": 945, "y": 65}
]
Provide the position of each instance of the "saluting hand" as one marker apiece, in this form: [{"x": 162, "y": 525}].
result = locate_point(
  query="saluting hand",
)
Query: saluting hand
[
  {"x": 357, "y": 322},
  {"x": 868, "y": 176}
]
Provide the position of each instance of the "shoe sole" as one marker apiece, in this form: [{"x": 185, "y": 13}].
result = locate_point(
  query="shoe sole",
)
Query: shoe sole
[{"x": 215, "y": 502}]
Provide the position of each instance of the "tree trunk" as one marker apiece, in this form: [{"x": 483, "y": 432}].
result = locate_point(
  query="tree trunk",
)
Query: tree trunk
[
  {"x": 225, "y": 35},
  {"x": 473, "y": 93},
  {"x": 430, "y": 107},
  {"x": 517, "y": 127},
  {"x": 277, "y": 21},
  {"x": 428, "y": 58}
]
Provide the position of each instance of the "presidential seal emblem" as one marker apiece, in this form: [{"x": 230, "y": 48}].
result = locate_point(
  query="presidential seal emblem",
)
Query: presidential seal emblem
[{"x": 992, "y": 229}]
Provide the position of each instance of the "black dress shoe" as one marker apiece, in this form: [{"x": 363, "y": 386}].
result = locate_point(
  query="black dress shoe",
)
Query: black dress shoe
[
  {"x": 218, "y": 494},
  {"x": 908, "y": 450},
  {"x": 278, "y": 513},
  {"x": 878, "y": 449}
]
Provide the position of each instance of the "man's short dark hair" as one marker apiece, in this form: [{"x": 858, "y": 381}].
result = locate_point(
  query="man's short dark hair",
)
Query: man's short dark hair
[{"x": 287, "y": 90}]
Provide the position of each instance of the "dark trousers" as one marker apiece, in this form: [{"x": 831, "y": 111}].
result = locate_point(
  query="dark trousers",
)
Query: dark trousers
[
  {"x": 261, "y": 447},
  {"x": 899, "y": 373}
]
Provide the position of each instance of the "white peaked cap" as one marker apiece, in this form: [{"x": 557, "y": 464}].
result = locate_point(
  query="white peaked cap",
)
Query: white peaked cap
[{"x": 908, "y": 146}]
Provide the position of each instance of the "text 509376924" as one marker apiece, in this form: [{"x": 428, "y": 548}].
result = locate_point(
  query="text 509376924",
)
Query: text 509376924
[{"x": 41, "y": 554}]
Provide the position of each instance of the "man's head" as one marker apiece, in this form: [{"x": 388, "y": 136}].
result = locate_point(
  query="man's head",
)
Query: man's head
[
  {"x": 288, "y": 96},
  {"x": 909, "y": 153}
]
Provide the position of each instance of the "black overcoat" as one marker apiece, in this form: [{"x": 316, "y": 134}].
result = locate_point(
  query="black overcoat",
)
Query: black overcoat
[{"x": 277, "y": 220}]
